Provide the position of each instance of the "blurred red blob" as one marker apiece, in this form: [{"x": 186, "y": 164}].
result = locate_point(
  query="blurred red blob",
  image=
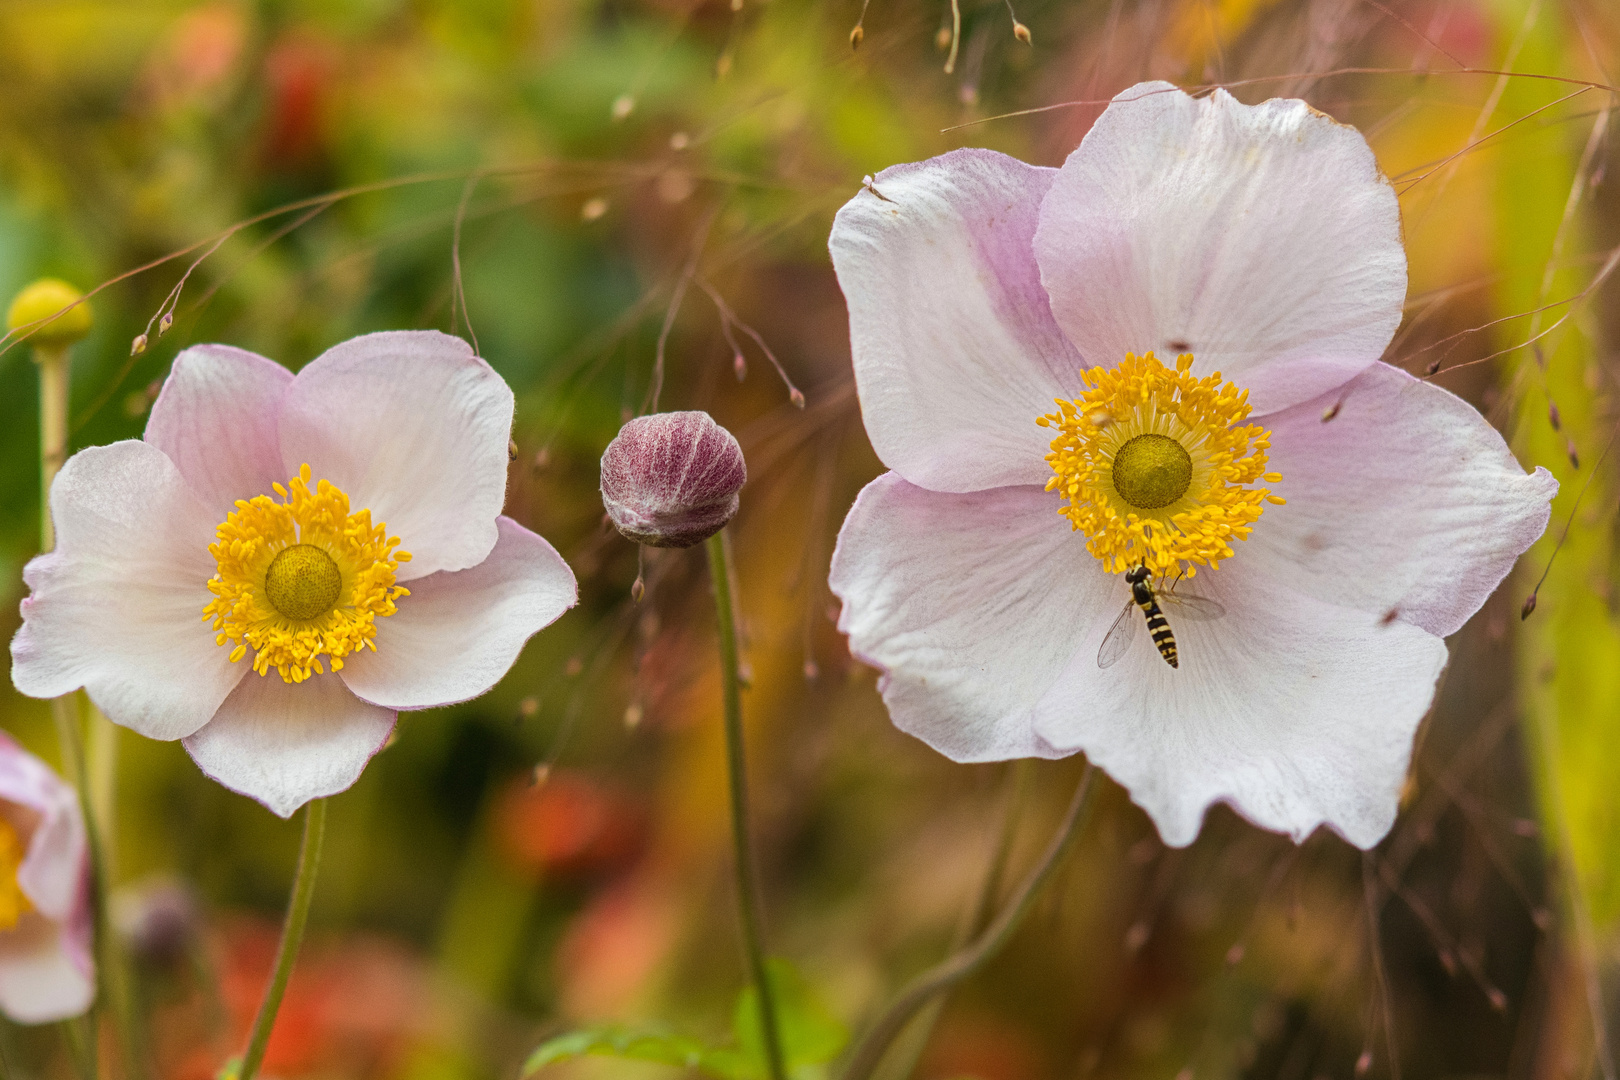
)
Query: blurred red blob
[
  {"x": 352, "y": 1008},
  {"x": 1461, "y": 29},
  {"x": 613, "y": 947},
  {"x": 980, "y": 1045},
  {"x": 570, "y": 825},
  {"x": 199, "y": 52},
  {"x": 297, "y": 74}
]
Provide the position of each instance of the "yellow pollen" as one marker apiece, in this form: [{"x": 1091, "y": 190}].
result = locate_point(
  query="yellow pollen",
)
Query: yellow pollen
[
  {"x": 1154, "y": 466},
  {"x": 301, "y": 578},
  {"x": 14, "y": 903}
]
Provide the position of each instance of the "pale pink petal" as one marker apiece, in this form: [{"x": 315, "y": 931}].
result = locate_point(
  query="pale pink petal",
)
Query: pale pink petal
[
  {"x": 414, "y": 427},
  {"x": 117, "y": 608},
  {"x": 52, "y": 870},
  {"x": 1407, "y": 501},
  {"x": 1296, "y": 712},
  {"x": 287, "y": 743},
  {"x": 43, "y": 976},
  {"x": 955, "y": 349},
  {"x": 972, "y": 604},
  {"x": 216, "y": 420},
  {"x": 1253, "y": 236},
  {"x": 459, "y": 631}
]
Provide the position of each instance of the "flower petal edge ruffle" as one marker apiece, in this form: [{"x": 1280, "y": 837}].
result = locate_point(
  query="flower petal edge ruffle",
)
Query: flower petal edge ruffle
[
  {"x": 117, "y": 608},
  {"x": 955, "y": 349},
  {"x": 1294, "y": 711},
  {"x": 1252, "y": 236},
  {"x": 460, "y": 631},
  {"x": 216, "y": 419},
  {"x": 287, "y": 743},
  {"x": 970, "y": 604},
  {"x": 426, "y": 455},
  {"x": 1407, "y": 502}
]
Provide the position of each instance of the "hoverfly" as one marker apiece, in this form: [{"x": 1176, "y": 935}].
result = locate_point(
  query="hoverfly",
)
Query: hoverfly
[{"x": 1143, "y": 596}]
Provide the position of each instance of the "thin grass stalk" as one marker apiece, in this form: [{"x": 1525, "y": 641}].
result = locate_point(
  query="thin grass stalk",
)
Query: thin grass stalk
[
  {"x": 908, "y": 1050},
  {"x": 875, "y": 1043}
]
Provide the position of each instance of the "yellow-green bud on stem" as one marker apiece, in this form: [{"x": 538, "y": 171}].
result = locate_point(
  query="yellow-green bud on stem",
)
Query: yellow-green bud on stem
[{"x": 50, "y": 313}]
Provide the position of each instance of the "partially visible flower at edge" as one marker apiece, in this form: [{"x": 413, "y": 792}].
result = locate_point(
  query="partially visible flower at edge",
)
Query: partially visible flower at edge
[
  {"x": 1258, "y": 249},
  {"x": 46, "y": 969},
  {"x": 239, "y": 577}
]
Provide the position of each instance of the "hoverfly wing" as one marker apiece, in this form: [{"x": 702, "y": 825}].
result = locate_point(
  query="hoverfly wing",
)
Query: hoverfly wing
[
  {"x": 1119, "y": 636},
  {"x": 1192, "y": 608}
]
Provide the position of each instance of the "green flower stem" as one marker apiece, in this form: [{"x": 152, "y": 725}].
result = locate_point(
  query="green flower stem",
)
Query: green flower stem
[
  {"x": 909, "y": 1049},
  {"x": 79, "y": 1034},
  {"x": 942, "y": 976},
  {"x": 292, "y": 934},
  {"x": 53, "y": 363},
  {"x": 747, "y": 900}
]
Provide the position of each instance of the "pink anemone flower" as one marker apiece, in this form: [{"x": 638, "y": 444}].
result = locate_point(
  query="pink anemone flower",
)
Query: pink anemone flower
[
  {"x": 46, "y": 972},
  {"x": 1326, "y": 519},
  {"x": 284, "y": 563}
]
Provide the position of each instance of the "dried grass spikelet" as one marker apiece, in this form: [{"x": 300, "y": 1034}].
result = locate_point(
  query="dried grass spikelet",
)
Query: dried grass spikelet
[{"x": 671, "y": 479}]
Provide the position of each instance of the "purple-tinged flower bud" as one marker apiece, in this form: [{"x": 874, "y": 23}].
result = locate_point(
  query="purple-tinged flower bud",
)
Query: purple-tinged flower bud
[
  {"x": 671, "y": 479},
  {"x": 158, "y": 919}
]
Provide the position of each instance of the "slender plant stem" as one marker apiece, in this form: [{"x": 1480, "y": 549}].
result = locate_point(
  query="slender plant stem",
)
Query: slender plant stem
[
  {"x": 79, "y": 1033},
  {"x": 54, "y": 367},
  {"x": 908, "y": 1049},
  {"x": 948, "y": 972},
  {"x": 52, "y": 361},
  {"x": 292, "y": 934},
  {"x": 747, "y": 898}
]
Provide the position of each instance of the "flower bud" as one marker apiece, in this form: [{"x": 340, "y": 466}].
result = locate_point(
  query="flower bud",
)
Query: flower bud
[
  {"x": 157, "y": 918},
  {"x": 42, "y": 300},
  {"x": 671, "y": 479}
]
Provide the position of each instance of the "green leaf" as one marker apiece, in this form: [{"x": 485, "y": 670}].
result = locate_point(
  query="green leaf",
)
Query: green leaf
[
  {"x": 811, "y": 1034},
  {"x": 637, "y": 1044},
  {"x": 1570, "y": 648},
  {"x": 811, "y": 1037}
]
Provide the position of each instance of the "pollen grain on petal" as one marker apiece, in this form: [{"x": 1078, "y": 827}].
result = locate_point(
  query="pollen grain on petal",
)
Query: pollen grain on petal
[
  {"x": 301, "y": 578},
  {"x": 1154, "y": 465}
]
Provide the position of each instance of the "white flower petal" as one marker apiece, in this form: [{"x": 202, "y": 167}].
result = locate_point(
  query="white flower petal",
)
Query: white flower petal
[
  {"x": 955, "y": 349},
  {"x": 118, "y": 607},
  {"x": 216, "y": 420},
  {"x": 52, "y": 871},
  {"x": 414, "y": 427},
  {"x": 42, "y": 976},
  {"x": 971, "y": 603},
  {"x": 284, "y": 743},
  {"x": 458, "y": 632},
  {"x": 1296, "y": 712},
  {"x": 1253, "y": 237},
  {"x": 1406, "y": 501}
]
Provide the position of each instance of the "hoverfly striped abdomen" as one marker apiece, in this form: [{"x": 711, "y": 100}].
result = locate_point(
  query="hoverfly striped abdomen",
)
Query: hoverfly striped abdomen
[{"x": 1142, "y": 593}]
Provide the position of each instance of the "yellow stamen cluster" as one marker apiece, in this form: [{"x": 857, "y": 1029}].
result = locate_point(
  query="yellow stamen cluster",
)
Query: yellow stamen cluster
[
  {"x": 285, "y": 609},
  {"x": 1152, "y": 511},
  {"x": 14, "y": 903}
]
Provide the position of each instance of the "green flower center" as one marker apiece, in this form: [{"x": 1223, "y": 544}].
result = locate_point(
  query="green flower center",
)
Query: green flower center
[
  {"x": 303, "y": 582},
  {"x": 1151, "y": 471}
]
